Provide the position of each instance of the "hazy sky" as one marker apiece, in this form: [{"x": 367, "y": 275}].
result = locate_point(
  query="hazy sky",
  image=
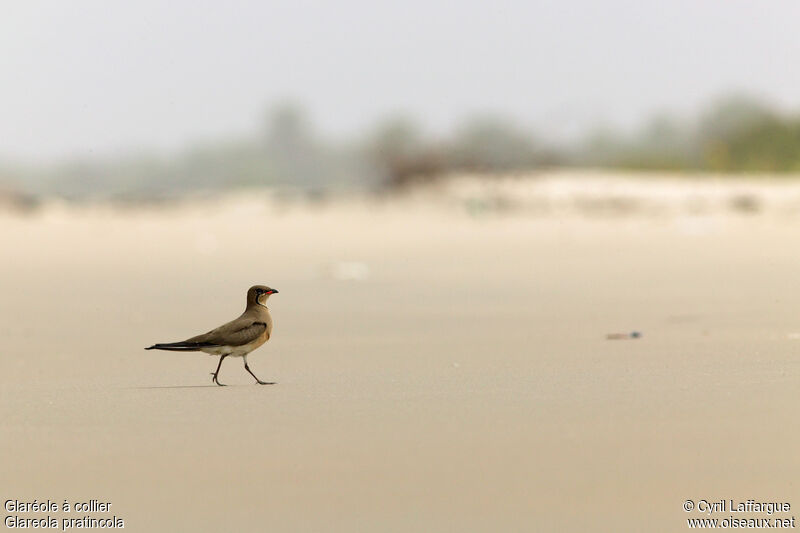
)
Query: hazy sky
[{"x": 103, "y": 76}]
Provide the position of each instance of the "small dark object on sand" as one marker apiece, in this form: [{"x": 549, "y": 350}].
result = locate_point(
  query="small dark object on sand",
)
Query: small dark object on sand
[{"x": 620, "y": 336}]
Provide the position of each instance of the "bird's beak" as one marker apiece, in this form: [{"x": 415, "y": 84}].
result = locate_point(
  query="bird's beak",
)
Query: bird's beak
[{"x": 273, "y": 291}]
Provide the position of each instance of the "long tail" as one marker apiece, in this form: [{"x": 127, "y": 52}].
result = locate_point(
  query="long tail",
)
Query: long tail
[{"x": 180, "y": 346}]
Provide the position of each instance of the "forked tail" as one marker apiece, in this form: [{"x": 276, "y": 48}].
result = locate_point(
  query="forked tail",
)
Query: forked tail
[{"x": 180, "y": 346}]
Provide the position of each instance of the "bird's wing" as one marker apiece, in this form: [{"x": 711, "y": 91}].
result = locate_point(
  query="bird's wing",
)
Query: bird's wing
[{"x": 236, "y": 333}]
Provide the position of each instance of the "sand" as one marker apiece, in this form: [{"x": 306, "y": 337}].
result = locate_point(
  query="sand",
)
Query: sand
[{"x": 437, "y": 369}]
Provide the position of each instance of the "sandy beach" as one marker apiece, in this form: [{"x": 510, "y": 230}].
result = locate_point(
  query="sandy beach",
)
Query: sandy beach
[{"x": 438, "y": 368}]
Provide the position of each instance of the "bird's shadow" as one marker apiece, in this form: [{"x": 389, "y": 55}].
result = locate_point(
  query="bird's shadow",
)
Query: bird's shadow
[
  {"x": 176, "y": 387},
  {"x": 154, "y": 387}
]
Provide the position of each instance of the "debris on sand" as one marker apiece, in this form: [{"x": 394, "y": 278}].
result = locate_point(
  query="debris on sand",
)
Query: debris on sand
[
  {"x": 622, "y": 336},
  {"x": 349, "y": 270}
]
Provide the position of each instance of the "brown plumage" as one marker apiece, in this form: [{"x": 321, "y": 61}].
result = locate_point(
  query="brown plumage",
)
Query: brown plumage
[{"x": 237, "y": 338}]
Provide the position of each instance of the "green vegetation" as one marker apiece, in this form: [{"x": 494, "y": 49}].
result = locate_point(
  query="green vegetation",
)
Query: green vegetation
[{"x": 736, "y": 134}]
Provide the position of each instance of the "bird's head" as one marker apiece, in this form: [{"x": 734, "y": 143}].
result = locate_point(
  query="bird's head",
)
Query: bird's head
[{"x": 258, "y": 294}]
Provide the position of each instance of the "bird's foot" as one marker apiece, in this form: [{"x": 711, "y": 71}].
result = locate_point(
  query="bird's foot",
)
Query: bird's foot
[
  {"x": 215, "y": 380},
  {"x": 265, "y": 382}
]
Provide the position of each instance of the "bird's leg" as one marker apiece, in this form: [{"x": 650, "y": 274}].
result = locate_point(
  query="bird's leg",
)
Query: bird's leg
[
  {"x": 216, "y": 373},
  {"x": 251, "y": 373}
]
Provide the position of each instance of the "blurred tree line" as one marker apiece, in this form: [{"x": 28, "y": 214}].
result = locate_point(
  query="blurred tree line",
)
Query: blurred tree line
[
  {"x": 736, "y": 134},
  {"x": 288, "y": 153}
]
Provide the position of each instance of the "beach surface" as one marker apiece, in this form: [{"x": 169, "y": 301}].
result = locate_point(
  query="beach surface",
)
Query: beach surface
[{"x": 438, "y": 368}]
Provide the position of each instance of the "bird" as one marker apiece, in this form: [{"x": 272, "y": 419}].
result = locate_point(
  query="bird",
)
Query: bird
[{"x": 237, "y": 338}]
